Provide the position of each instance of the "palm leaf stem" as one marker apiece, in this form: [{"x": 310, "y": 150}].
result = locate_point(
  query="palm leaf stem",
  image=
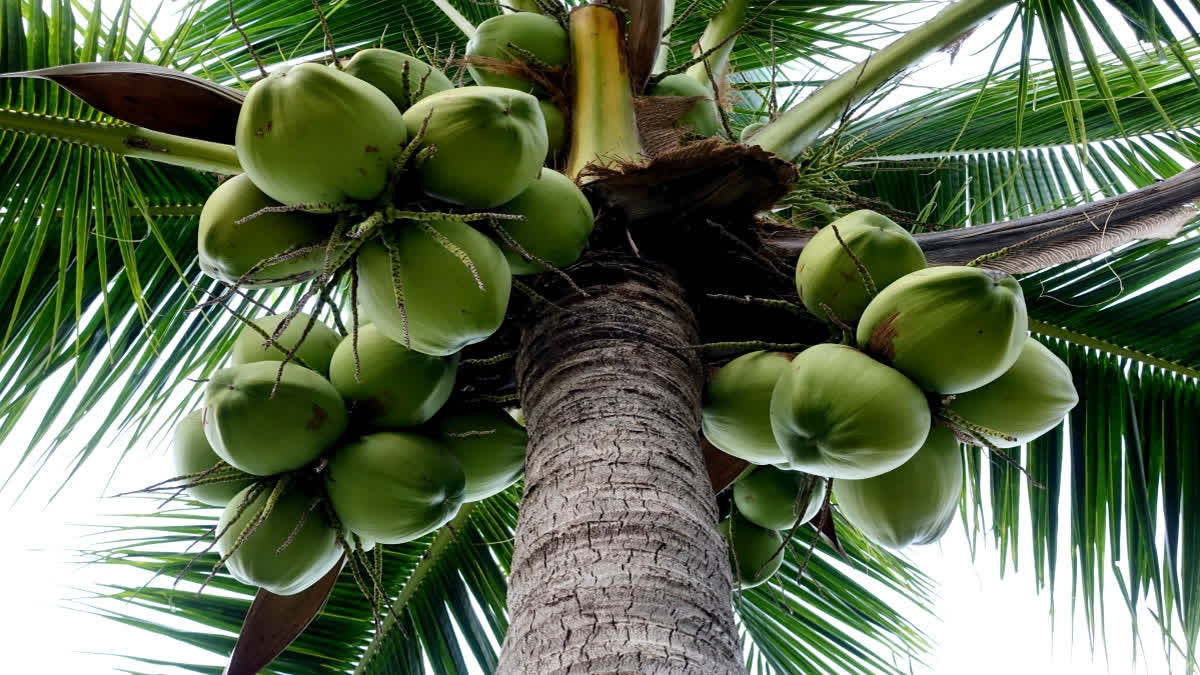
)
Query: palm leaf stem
[
  {"x": 1051, "y": 330},
  {"x": 456, "y": 17}
]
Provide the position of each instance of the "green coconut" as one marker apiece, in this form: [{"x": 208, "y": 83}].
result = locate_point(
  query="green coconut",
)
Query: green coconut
[
  {"x": 839, "y": 413},
  {"x": 393, "y": 487},
  {"x": 490, "y": 446},
  {"x": 314, "y": 352},
  {"x": 514, "y": 38},
  {"x": 1029, "y": 399},
  {"x": 491, "y": 144},
  {"x": 556, "y": 127},
  {"x": 702, "y": 119},
  {"x": 277, "y": 556},
  {"x": 384, "y": 69},
  {"x": 735, "y": 415},
  {"x": 776, "y": 499},
  {"x": 445, "y": 308},
  {"x": 396, "y": 387},
  {"x": 192, "y": 453},
  {"x": 755, "y": 553},
  {"x": 912, "y": 504},
  {"x": 827, "y": 275},
  {"x": 950, "y": 329},
  {"x": 749, "y": 129},
  {"x": 229, "y": 250},
  {"x": 263, "y": 434},
  {"x": 558, "y": 220},
  {"x": 316, "y": 136}
]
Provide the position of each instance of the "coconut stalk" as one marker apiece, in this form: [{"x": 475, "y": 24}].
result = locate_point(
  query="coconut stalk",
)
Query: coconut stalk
[
  {"x": 718, "y": 36},
  {"x": 796, "y": 129}
]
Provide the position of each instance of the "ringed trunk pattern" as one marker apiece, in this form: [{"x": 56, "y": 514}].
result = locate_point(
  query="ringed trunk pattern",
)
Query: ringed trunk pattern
[{"x": 618, "y": 565}]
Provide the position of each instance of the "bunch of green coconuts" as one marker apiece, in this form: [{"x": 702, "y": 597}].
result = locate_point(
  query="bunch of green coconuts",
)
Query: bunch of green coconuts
[{"x": 931, "y": 356}]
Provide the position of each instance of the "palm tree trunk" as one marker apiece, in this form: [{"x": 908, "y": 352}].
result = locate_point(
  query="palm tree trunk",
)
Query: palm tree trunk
[{"x": 618, "y": 565}]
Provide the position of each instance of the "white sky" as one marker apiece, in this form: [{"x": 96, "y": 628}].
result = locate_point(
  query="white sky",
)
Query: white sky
[{"x": 984, "y": 623}]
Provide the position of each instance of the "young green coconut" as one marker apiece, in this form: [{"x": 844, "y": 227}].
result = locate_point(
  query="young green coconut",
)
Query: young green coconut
[
  {"x": 394, "y": 487},
  {"x": 395, "y": 387},
  {"x": 229, "y": 250},
  {"x": 841, "y": 414},
  {"x": 702, "y": 119},
  {"x": 556, "y": 127},
  {"x": 778, "y": 500},
  {"x": 749, "y": 130},
  {"x": 755, "y": 553},
  {"x": 384, "y": 69},
  {"x": 513, "y": 38},
  {"x": 264, "y": 433},
  {"x": 735, "y": 414},
  {"x": 950, "y": 329},
  {"x": 491, "y": 144},
  {"x": 827, "y": 276},
  {"x": 444, "y": 306},
  {"x": 315, "y": 136},
  {"x": 315, "y": 351},
  {"x": 558, "y": 221},
  {"x": 192, "y": 453},
  {"x": 1029, "y": 399},
  {"x": 289, "y": 550},
  {"x": 490, "y": 446},
  {"x": 912, "y": 504}
]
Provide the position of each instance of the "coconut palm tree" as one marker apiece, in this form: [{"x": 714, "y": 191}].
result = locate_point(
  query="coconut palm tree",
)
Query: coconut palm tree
[{"x": 1071, "y": 171}]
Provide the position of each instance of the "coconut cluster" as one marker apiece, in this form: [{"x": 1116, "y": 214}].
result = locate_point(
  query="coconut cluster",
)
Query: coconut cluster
[{"x": 930, "y": 357}]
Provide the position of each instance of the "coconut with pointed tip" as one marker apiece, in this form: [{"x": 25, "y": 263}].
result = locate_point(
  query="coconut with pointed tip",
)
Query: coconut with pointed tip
[
  {"x": 702, "y": 119},
  {"x": 314, "y": 352},
  {"x": 735, "y": 414},
  {"x": 776, "y": 499},
  {"x": 513, "y": 38},
  {"x": 192, "y": 453},
  {"x": 556, "y": 225},
  {"x": 755, "y": 553},
  {"x": 384, "y": 69},
  {"x": 490, "y": 446}
]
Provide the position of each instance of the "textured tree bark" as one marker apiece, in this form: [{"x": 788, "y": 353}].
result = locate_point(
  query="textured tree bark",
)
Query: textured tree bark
[{"x": 618, "y": 566}]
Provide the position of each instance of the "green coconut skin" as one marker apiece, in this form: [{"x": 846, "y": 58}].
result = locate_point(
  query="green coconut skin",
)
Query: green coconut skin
[
  {"x": 735, "y": 414},
  {"x": 1029, "y": 399},
  {"x": 827, "y": 275},
  {"x": 394, "y": 487},
  {"x": 192, "y": 453},
  {"x": 445, "y": 307},
  {"x": 556, "y": 127},
  {"x": 839, "y": 413},
  {"x": 749, "y": 129},
  {"x": 951, "y": 329},
  {"x": 558, "y": 221},
  {"x": 913, "y": 504},
  {"x": 316, "y": 136},
  {"x": 313, "y": 550},
  {"x": 539, "y": 35},
  {"x": 703, "y": 119},
  {"x": 396, "y": 387},
  {"x": 492, "y": 461},
  {"x": 315, "y": 351},
  {"x": 384, "y": 69},
  {"x": 767, "y": 497},
  {"x": 491, "y": 144},
  {"x": 228, "y": 249},
  {"x": 264, "y": 435},
  {"x": 754, "y": 552}
]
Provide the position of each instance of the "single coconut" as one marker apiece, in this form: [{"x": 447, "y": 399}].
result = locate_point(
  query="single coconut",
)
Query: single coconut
[
  {"x": 396, "y": 387},
  {"x": 826, "y": 274},
  {"x": 839, "y": 413},
  {"x": 516, "y": 38},
  {"x": 749, "y": 130},
  {"x": 318, "y": 137},
  {"x": 394, "y": 487},
  {"x": 556, "y": 127},
  {"x": 556, "y": 225},
  {"x": 735, "y": 415},
  {"x": 490, "y": 446},
  {"x": 755, "y": 553},
  {"x": 384, "y": 69},
  {"x": 314, "y": 352},
  {"x": 776, "y": 499},
  {"x": 446, "y": 309},
  {"x": 1029, "y": 399},
  {"x": 491, "y": 144},
  {"x": 950, "y": 329},
  {"x": 229, "y": 250},
  {"x": 265, "y": 434},
  {"x": 702, "y": 119},
  {"x": 192, "y": 453},
  {"x": 912, "y": 504},
  {"x": 288, "y": 551}
]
